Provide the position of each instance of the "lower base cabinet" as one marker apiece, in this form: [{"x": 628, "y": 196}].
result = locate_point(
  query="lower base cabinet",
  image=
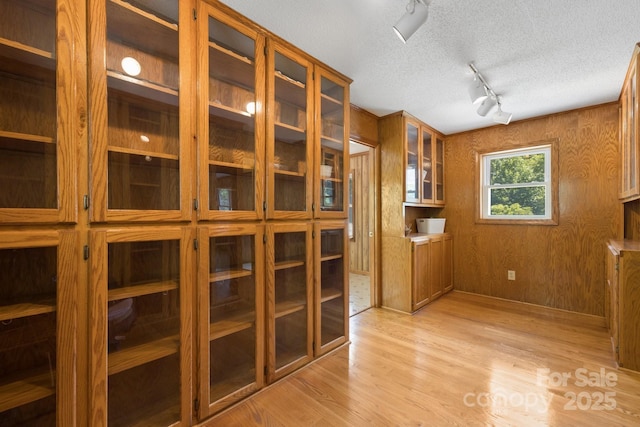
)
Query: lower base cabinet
[
  {"x": 416, "y": 270},
  {"x": 623, "y": 301}
]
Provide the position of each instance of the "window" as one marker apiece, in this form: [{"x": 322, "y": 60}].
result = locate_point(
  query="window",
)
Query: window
[{"x": 519, "y": 185}]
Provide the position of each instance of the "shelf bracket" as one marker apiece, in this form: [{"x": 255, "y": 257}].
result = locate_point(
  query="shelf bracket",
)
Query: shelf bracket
[{"x": 86, "y": 202}]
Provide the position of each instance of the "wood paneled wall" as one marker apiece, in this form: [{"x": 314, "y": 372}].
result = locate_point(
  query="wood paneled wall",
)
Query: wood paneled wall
[
  {"x": 359, "y": 245},
  {"x": 559, "y": 266}
]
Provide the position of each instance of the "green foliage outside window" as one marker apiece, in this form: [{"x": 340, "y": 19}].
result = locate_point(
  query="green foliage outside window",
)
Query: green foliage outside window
[{"x": 519, "y": 200}]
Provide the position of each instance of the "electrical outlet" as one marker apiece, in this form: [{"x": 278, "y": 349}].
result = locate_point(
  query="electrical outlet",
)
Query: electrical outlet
[{"x": 511, "y": 274}]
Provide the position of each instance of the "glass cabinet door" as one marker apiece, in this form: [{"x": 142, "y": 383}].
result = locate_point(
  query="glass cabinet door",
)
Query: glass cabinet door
[
  {"x": 137, "y": 168},
  {"x": 412, "y": 166},
  {"x": 332, "y": 152},
  {"x": 37, "y": 99},
  {"x": 289, "y": 134},
  {"x": 289, "y": 298},
  {"x": 139, "y": 299},
  {"x": 629, "y": 185},
  {"x": 37, "y": 275},
  {"x": 439, "y": 171},
  {"x": 232, "y": 139},
  {"x": 331, "y": 327},
  {"x": 426, "y": 174},
  {"x": 231, "y": 314}
]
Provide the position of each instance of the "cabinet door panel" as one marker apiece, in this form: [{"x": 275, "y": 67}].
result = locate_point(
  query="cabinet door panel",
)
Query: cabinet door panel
[
  {"x": 289, "y": 134},
  {"x": 331, "y": 290},
  {"x": 422, "y": 280},
  {"x": 39, "y": 112},
  {"x": 139, "y": 167},
  {"x": 289, "y": 298},
  {"x": 231, "y": 75},
  {"x": 232, "y": 313},
  {"x": 412, "y": 166}
]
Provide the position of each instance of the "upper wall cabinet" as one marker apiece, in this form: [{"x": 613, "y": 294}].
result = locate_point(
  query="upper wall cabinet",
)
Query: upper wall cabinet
[
  {"x": 39, "y": 113},
  {"x": 332, "y": 146},
  {"x": 140, "y": 54},
  {"x": 412, "y": 155},
  {"x": 232, "y": 88},
  {"x": 289, "y": 134},
  {"x": 629, "y": 128}
]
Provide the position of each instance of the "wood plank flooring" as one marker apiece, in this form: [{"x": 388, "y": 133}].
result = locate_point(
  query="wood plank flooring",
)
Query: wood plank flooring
[{"x": 464, "y": 360}]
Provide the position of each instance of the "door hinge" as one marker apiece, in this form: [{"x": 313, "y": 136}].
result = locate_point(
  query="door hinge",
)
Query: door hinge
[
  {"x": 195, "y": 14},
  {"x": 86, "y": 202},
  {"x": 85, "y": 252},
  {"x": 196, "y": 407},
  {"x": 313, "y": 207},
  {"x": 617, "y": 266},
  {"x": 264, "y": 239},
  {"x": 195, "y": 244},
  {"x": 196, "y": 204},
  {"x": 264, "y": 206},
  {"x": 313, "y": 234},
  {"x": 265, "y": 370}
]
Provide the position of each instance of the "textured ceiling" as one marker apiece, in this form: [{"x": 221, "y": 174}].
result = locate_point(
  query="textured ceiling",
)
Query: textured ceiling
[{"x": 542, "y": 57}]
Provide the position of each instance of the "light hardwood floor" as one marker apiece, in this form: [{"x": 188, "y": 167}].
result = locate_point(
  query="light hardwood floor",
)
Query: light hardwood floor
[{"x": 464, "y": 360}]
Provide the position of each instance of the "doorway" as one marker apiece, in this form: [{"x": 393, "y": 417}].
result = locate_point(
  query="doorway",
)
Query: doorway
[{"x": 361, "y": 227}]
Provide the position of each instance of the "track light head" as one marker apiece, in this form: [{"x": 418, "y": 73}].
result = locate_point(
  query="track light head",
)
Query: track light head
[
  {"x": 502, "y": 116},
  {"x": 486, "y": 106},
  {"x": 477, "y": 91},
  {"x": 416, "y": 15}
]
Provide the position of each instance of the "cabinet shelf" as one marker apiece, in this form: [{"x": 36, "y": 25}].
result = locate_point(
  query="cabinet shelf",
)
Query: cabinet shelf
[
  {"x": 330, "y": 104},
  {"x": 140, "y": 290},
  {"x": 26, "y": 390},
  {"x": 289, "y": 134},
  {"x": 235, "y": 322},
  {"x": 229, "y": 274},
  {"x": 131, "y": 24},
  {"x": 290, "y": 91},
  {"x": 27, "y": 54},
  {"x": 26, "y": 309},
  {"x": 219, "y": 110},
  {"x": 286, "y": 308},
  {"x": 231, "y": 67},
  {"x": 282, "y": 265},
  {"x": 328, "y": 294},
  {"x": 232, "y": 168},
  {"x": 142, "y": 88},
  {"x": 288, "y": 173},
  {"x": 129, "y": 358},
  {"x": 330, "y": 257},
  {"x": 333, "y": 143},
  {"x": 153, "y": 154},
  {"x": 16, "y": 136}
]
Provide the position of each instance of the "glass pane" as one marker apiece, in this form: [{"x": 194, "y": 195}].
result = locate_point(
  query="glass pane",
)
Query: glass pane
[
  {"x": 332, "y": 164},
  {"x": 518, "y": 201},
  {"x": 143, "y": 332},
  {"x": 28, "y": 158},
  {"x": 427, "y": 167},
  {"x": 290, "y": 297},
  {"x": 143, "y": 118},
  {"x": 290, "y": 145},
  {"x": 332, "y": 285},
  {"x": 28, "y": 290},
  {"x": 524, "y": 169},
  {"x": 411, "y": 183},
  {"x": 439, "y": 169},
  {"x": 232, "y": 296},
  {"x": 232, "y": 107}
]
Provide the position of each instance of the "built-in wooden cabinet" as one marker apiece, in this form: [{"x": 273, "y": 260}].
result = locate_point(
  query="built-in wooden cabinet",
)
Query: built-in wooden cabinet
[
  {"x": 231, "y": 314},
  {"x": 289, "y": 301},
  {"x": 164, "y": 166},
  {"x": 629, "y": 131},
  {"x": 418, "y": 270},
  {"x": 331, "y": 285},
  {"x": 413, "y": 155},
  {"x": 623, "y": 297},
  {"x": 38, "y": 321},
  {"x": 140, "y": 316}
]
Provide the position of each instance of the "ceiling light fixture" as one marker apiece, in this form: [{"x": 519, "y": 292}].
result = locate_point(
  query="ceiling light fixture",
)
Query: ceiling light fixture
[
  {"x": 416, "y": 15},
  {"x": 481, "y": 91}
]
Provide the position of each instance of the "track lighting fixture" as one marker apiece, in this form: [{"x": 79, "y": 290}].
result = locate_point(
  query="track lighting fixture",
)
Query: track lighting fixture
[
  {"x": 416, "y": 15},
  {"x": 480, "y": 91}
]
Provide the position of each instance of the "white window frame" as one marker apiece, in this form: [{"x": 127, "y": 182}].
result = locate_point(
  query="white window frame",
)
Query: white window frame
[{"x": 549, "y": 217}]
